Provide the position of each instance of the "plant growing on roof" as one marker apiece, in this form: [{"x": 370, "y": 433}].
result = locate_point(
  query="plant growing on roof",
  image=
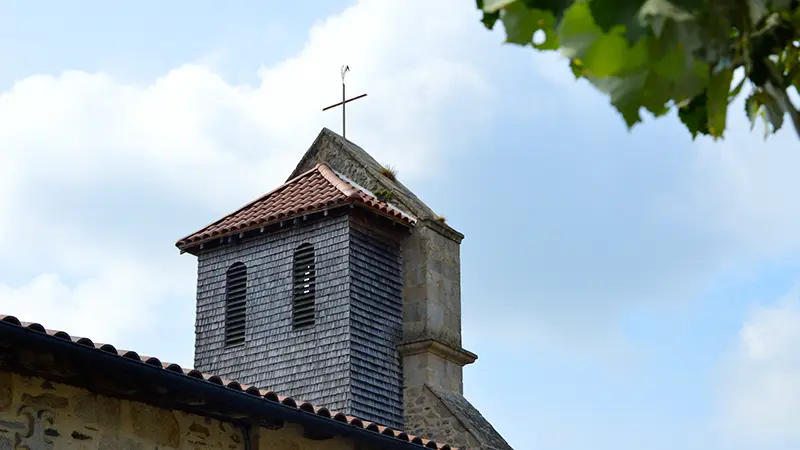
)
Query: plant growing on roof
[
  {"x": 384, "y": 195},
  {"x": 440, "y": 219},
  {"x": 389, "y": 172}
]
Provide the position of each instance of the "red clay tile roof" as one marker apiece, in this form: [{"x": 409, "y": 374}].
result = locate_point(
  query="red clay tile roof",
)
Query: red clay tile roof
[
  {"x": 318, "y": 189},
  {"x": 267, "y": 395}
]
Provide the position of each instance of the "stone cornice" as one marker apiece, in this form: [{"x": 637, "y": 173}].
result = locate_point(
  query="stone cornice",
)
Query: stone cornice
[
  {"x": 443, "y": 229},
  {"x": 457, "y": 355}
]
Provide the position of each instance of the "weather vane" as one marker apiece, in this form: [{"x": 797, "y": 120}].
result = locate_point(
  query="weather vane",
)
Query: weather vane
[{"x": 344, "y": 71}]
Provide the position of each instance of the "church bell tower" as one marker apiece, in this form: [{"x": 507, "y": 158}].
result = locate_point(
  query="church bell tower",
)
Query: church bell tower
[{"x": 340, "y": 288}]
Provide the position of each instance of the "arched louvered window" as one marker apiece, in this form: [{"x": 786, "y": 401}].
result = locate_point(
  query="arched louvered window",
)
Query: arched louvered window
[
  {"x": 235, "y": 304},
  {"x": 304, "y": 281}
]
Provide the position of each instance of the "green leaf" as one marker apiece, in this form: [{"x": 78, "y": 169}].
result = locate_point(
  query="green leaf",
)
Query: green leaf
[
  {"x": 757, "y": 9},
  {"x": 491, "y": 6},
  {"x": 752, "y": 107},
  {"x": 521, "y": 23},
  {"x": 557, "y": 7},
  {"x": 755, "y": 105},
  {"x": 695, "y": 115},
  {"x": 673, "y": 65},
  {"x": 609, "y": 13},
  {"x": 689, "y": 6},
  {"x": 774, "y": 114},
  {"x": 686, "y": 36},
  {"x": 577, "y": 31},
  {"x": 719, "y": 86},
  {"x": 637, "y": 56},
  {"x": 607, "y": 56},
  {"x": 666, "y": 9},
  {"x": 489, "y": 18},
  {"x": 576, "y": 68},
  {"x": 735, "y": 92},
  {"x": 656, "y": 93},
  {"x": 794, "y": 73},
  {"x": 661, "y": 13},
  {"x": 626, "y": 95},
  {"x": 693, "y": 82},
  {"x": 546, "y": 22},
  {"x": 550, "y": 39}
]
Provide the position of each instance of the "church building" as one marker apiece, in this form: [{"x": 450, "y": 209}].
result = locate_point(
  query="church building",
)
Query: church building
[{"x": 337, "y": 294}]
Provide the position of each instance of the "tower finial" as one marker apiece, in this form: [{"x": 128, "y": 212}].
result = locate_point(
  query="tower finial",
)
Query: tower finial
[{"x": 344, "y": 70}]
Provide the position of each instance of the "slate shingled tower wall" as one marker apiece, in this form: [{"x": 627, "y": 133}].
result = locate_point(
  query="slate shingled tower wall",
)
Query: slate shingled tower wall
[
  {"x": 305, "y": 363},
  {"x": 348, "y": 360},
  {"x": 376, "y": 325}
]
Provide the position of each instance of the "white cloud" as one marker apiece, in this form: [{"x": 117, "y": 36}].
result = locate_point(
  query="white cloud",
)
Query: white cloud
[
  {"x": 100, "y": 306},
  {"x": 98, "y": 176},
  {"x": 760, "y": 384},
  {"x": 745, "y": 187},
  {"x": 94, "y": 170}
]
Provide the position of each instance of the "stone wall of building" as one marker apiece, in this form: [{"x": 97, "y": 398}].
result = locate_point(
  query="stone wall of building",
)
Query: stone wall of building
[
  {"x": 36, "y": 414},
  {"x": 432, "y": 290},
  {"x": 446, "y": 416},
  {"x": 427, "y": 367},
  {"x": 426, "y": 415}
]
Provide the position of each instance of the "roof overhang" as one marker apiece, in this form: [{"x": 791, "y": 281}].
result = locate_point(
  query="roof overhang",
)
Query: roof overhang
[
  {"x": 263, "y": 228},
  {"x": 31, "y": 350}
]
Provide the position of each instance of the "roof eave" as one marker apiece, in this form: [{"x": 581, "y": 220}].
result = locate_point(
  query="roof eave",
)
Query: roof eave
[
  {"x": 93, "y": 362},
  {"x": 194, "y": 246}
]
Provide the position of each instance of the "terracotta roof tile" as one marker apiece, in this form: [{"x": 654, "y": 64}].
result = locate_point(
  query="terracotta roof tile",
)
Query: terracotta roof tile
[
  {"x": 318, "y": 189},
  {"x": 267, "y": 395}
]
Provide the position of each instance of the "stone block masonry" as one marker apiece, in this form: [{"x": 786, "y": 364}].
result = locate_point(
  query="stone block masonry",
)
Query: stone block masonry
[
  {"x": 427, "y": 414},
  {"x": 432, "y": 289},
  {"x": 36, "y": 414}
]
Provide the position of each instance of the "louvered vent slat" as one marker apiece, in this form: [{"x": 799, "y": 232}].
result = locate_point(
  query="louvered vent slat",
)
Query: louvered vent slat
[
  {"x": 235, "y": 305},
  {"x": 303, "y": 308},
  {"x": 238, "y": 287}
]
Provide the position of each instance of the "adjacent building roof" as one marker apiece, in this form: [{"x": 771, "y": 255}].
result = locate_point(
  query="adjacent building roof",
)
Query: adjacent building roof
[
  {"x": 314, "y": 190},
  {"x": 472, "y": 420},
  {"x": 102, "y": 368}
]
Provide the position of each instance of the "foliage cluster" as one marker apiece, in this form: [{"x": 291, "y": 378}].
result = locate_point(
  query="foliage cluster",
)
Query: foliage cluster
[
  {"x": 662, "y": 54},
  {"x": 384, "y": 195},
  {"x": 389, "y": 172}
]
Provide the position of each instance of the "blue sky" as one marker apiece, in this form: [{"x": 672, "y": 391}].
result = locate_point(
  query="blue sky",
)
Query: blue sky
[{"x": 622, "y": 289}]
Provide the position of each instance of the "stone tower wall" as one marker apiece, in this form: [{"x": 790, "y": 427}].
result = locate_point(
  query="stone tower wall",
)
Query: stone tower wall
[{"x": 432, "y": 291}]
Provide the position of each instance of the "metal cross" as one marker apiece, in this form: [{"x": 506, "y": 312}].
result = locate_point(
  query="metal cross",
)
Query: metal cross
[{"x": 345, "y": 69}]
